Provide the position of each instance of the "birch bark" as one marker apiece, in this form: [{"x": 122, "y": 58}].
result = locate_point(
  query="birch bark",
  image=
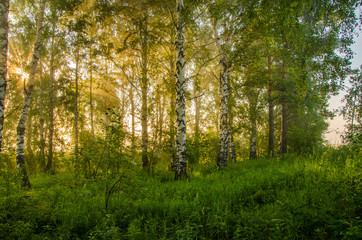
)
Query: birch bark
[
  {"x": 20, "y": 161},
  {"x": 181, "y": 163},
  {"x": 4, "y": 29},
  {"x": 224, "y": 100}
]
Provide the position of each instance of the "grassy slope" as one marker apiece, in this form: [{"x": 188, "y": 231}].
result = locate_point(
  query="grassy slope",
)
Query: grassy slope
[{"x": 290, "y": 198}]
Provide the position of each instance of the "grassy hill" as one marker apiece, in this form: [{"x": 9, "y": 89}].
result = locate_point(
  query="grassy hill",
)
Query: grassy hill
[{"x": 290, "y": 197}]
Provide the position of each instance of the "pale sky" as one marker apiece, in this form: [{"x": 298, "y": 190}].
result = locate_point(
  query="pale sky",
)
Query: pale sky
[{"x": 336, "y": 127}]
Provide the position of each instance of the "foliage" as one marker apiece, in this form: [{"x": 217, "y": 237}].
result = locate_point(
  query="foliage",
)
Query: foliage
[
  {"x": 352, "y": 111},
  {"x": 313, "y": 197}
]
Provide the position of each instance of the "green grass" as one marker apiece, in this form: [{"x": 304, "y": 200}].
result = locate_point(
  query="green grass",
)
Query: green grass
[{"x": 312, "y": 197}]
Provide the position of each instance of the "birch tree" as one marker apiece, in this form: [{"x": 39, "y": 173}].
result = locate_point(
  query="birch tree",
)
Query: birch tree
[
  {"x": 181, "y": 163},
  {"x": 4, "y": 28},
  {"x": 223, "y": 25},
  {"x": 20, "y": 160}
]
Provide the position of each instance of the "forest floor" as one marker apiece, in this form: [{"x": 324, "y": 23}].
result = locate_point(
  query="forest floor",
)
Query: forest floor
[{"x": 311, "y": 197}]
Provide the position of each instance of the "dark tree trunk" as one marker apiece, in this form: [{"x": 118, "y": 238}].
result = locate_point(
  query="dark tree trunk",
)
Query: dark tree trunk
[
  {"x": 271, "y": 112},
  {"x": 76, "y": 113},
  {"x": 91, "y": 102},
  {"x": 144, "y": 90},
  {"x": 133, "y": 137},
  {"x": 232, "y": 153},
  {"x": 172, "y": 113},
  {"x": 253, "y": 133},
  {"x": 197, "y": 101},
  {"x": 283, "y": 148},
  {"x": 51, "y": 105},
  {"x": 41, "y": 121}
]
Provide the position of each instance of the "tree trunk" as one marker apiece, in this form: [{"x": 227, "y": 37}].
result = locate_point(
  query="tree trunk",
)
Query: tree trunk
[
  {"x": 41, "y": 120},
  {"x": 91, "y": 101},
  {"x": 51, "y": 106},
  {"x": 133, "y": 137},
  {"x": 197, "y": 119},
  {"x": 172, "y": 113},
  {"x": 224, "y": 102},
  {"x": 29, "y": 138},
  {"x": 283, "y": 147},
  {"x": 252, "y": 104},
  {"x": 160, "y": 135},
  {"x": 20, "y": 161},
  {"x": 76, "y": 113},
  {"x": 232, "y": 154},
  {"x": 4, "y": 29},
  {"x": 271, "y": 112},
  {"x": 253, "y": 153},
  {"x": 224, "y": 129},
  {"x": 144, "y": 90},
  {"x": 180, "y": 94}
]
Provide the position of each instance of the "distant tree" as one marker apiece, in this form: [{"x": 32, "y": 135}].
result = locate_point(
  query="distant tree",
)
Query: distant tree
[{"x": 352, "y": 111}]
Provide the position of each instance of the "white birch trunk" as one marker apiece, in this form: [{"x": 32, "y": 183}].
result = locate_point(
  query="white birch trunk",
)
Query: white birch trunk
[
  {"x": 224, "y": 130},
  {"x": 4, "y": 29},
  {"x": 224, "y": 101},
  {"x": 180, "y": 94},
  {"x": 20, "y": 161}
]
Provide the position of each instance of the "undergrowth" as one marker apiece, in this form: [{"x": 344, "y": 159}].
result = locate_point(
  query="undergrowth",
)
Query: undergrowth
[{"x": 289, "y": 197}]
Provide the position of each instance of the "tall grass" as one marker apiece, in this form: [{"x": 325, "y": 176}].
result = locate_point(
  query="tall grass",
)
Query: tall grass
[{"x": 311, "y": 197}]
